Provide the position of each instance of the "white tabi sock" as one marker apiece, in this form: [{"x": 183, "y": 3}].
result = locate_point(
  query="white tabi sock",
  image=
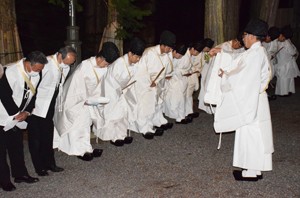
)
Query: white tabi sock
[
  {"x": 258, "y": 172},
  {"x": 249, "y": 173}
]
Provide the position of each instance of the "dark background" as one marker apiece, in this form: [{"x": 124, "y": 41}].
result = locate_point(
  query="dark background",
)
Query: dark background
[{"x": 42, "y": 26}]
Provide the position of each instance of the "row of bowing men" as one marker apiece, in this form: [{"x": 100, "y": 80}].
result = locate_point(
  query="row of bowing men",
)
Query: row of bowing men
[{"x": 110, "y": 95}]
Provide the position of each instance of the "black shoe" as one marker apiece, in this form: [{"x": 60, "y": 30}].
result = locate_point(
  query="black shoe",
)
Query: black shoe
[
  {"x": 97, "y": 152},
  {"x": 194, "y": 115},
  {"x": 183, "y": 121},
  {"x": 159, "y": 132},
  {"x": 7, "y": 186},
  {"x": 117, "y": 142},
  {"x": 238, "y": 176},
  {"x": 148, "y": 135},
  {"x": 272, "y": 97},
  {"x": 128, "y": 140},
  {"x": 169, "y": 125},
  {"x": 166, "y": 126},
  {"x": 189, "y": 119},
  {"x": 86, "y": 157},
  {"x": 27, "y": 179},
  {"x": 42, "y": 173},
  {"x": 55, "y": 168},
  {"x": 260, "y": 176}
]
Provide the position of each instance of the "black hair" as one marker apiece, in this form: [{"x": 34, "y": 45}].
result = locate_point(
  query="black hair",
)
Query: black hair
[
  {"x": 109, "y": 52},
  {"x": 273, "y": 33},
  {"x": 208, "y": 42},
  {"x": 137, "y": 46},
  {"x": 65, "y": 50},
  {"x": 240, "y": 38},
  {"x": 199, "y": 46},
  {"x": 180, "y": 49},
  {"x": 287, "y": 32},
  {"x": 36, "y": 57},
  {"x": 167, "y": 38}
]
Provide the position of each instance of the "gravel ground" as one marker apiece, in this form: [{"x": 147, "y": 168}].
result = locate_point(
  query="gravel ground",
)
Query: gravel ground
[{"x": 184, "y": 162}]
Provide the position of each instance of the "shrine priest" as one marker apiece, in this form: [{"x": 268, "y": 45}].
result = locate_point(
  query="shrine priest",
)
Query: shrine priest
[
  {"x": 151, "y": 74},
  {"x": 82, "y": 105},
  {"x": 118, "y": 86},
  {"x": 244, "y": 105}
]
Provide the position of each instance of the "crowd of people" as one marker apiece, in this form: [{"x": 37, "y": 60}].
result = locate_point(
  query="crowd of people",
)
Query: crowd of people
[{"x": 113, "y": 96}]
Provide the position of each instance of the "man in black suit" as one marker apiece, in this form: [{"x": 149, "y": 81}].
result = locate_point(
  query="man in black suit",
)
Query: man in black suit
[{"x": 18, "y": 87}]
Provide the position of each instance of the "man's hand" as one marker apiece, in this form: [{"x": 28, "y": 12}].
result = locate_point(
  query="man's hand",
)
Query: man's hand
[
  {"x": 22, "y": 116},
  {"x": 153, "y": 84},
  {"x": 221, "y": 72},
  {"x": 214, "y": 51},
  {"x": 187, "y": 75}
]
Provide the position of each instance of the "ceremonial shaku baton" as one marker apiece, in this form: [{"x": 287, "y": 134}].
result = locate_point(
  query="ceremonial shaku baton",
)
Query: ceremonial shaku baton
[
  {"x": 158, "y": 74},
  {"x": 129, "y": 84}
]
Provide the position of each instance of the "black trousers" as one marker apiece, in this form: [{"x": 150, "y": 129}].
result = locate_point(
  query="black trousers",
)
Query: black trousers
[
  {"x": 11, "y": 142},
  {"x": 40, "y": 142}
]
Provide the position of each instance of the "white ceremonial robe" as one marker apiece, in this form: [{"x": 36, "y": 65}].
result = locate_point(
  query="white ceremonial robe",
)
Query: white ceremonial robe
[
  {"x": 53, "y": 77},
  {"x": 205, "y": 75},
  {"x": 245, "y": 108},
  {"x": 175, "y": 99},
  {"x": 150, "y": 99},
  {"x": 222, "y": 61},
  {"x": 15, "y": 78},
  {"x": 162, "y": 87},
  {"x": 74, "y": 121},
  {"x": 121, "y": 108},
  {"x": 194, "y": 65},
  {"x": 286, "y": 68},
  {"x": 272, "y": 49},
  {"x": 227, "y": 46}
]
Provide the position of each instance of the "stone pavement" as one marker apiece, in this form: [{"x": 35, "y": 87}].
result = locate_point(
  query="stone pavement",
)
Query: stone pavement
[{"x": 184, "y": 162}]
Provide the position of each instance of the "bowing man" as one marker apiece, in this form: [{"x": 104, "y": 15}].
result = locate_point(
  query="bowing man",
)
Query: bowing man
[
  {"x": 192, "y": 58},
  {"x": 151, "y": 73},
  {"x": 175, "y": 98},
  {"x": 286, "y": 68},
  {"x": 120, "y": 111},
  {"x": 271, "y": 45},
  {"x": 80, "y": 109},
  {"x": 40, "y": 124},
  {"x": 18, "y": 87},
  {"x": 206, "y": 62}
]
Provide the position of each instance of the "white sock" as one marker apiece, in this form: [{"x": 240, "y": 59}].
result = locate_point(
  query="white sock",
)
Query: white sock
[
  {"x": 258, "y": 172},
  {"x": 249, "y": 173}
]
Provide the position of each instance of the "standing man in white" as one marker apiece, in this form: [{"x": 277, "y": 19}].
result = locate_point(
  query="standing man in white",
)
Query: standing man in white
[
  {"x": 40, "y": 124},
  {"x": 245, "y": 106},
  {"x": 286, "y": 68}
]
